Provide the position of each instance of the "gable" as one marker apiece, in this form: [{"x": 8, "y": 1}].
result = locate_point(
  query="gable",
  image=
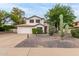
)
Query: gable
[{"x": 35, "y": 17}]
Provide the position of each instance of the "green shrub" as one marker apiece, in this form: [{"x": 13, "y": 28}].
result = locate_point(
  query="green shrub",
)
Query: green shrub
[
  {"x": 34, "y": 30},
  {"x": 75, "y": 33},
  {"x": 7, "y": 28},
  {"x": 37, "y": 31},
  {"x": 2, "y": 29}
]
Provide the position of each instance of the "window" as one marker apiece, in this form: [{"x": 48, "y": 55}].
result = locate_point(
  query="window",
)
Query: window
[
  {"x": 37, "y": 21},
  {"x": 31, "y": 21}
]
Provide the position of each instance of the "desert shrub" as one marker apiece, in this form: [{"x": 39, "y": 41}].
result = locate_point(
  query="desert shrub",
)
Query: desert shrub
[
  {"x": 51, "y": 30},
  {"x": 50, "y": 33},
  {"x": 75, "y": 33}
]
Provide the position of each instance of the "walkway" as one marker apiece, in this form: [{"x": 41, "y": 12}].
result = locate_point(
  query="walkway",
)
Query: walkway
[{"x": 39, "y": 51}]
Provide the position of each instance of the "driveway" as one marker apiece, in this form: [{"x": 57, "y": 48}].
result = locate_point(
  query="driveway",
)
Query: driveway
[{"x": 9, "y": 40}]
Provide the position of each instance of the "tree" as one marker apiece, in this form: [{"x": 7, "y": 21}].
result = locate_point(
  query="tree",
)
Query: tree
[
  {"x": 17, "y": 15},
  {"x": 53, "y": 15},
  {"x": 3, "y": 16}
]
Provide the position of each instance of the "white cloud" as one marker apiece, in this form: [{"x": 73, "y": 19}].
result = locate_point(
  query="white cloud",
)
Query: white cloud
[
  {"x": 76, "y": 12},
  {"x": 8, "y": 7},
  {"x": 33, "y": 11}
]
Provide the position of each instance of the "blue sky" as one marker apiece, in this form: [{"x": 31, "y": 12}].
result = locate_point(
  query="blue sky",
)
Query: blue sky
[{"x": 38, "y": 9}]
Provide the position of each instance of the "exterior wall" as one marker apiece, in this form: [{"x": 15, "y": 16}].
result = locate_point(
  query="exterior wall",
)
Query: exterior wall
[
  {"x": 13, "y": 30},
  {"x": 34, "y": 18},
  {"x": 78, "y": 24},
  {"x": 47, "y": 28},
  {"x": 42, "y": 21}
]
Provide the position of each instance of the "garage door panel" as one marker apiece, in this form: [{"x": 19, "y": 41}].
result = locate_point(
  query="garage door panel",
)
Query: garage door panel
[{"x": 24, "y": 30}]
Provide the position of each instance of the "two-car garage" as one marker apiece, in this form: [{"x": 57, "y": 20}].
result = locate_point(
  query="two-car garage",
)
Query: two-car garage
[
  {"x": 24, "y": 30},
  {"x": 27, "y": 29}
]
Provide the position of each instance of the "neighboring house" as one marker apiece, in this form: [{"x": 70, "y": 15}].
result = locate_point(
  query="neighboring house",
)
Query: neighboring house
[
  {"x": 7, "y": 21},
  {"x": 32, "y": 22},
  {"x": 76, "y": 24}
]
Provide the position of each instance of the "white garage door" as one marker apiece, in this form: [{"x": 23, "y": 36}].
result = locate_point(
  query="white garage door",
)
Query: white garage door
[{"x": 24, "y": 30}]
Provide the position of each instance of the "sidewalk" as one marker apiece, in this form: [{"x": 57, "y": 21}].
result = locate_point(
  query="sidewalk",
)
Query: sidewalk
[{"x": 39, "y": 51}]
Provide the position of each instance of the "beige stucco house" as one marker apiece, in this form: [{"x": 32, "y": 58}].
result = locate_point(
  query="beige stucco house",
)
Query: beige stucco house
[{"x": 32, "y": 22}]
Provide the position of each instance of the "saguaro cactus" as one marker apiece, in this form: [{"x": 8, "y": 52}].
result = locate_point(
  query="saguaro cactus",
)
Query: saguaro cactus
[
  {"x": 61, "y": 25},
  {"x": 66, "y": 28}
]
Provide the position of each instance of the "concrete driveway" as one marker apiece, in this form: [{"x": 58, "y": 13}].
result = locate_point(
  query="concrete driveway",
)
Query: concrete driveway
[{"x": 9, "y": 40}]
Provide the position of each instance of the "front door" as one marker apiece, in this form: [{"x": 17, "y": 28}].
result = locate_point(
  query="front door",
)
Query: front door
[{"x": 45, "y": 29}]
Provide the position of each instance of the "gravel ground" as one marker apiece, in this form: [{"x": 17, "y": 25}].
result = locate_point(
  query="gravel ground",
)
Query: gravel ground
[{"x": 50, "y": 42}]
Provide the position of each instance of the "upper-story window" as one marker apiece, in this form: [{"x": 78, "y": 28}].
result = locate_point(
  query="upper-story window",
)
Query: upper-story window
[
  {"x": 31, "y": 21},
  {"x": 37, "y": 21}
]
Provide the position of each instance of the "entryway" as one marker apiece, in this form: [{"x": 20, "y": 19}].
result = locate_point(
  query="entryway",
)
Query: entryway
[{"x": 45, "y": 29}]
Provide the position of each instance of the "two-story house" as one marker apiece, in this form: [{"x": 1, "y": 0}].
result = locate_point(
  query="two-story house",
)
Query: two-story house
[{"x": 32, "y": 22}]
